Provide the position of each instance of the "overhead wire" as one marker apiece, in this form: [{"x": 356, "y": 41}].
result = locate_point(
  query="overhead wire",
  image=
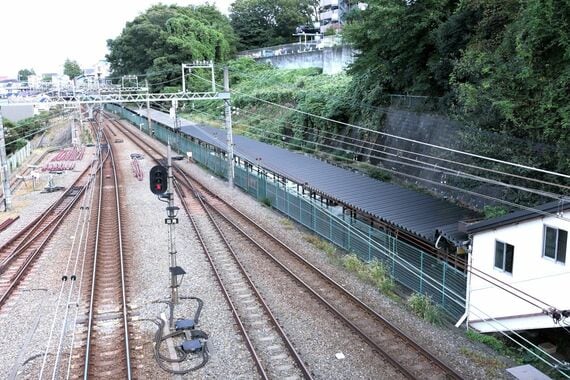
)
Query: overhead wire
[
  {"x": 424, "y": 180},
  {"x": 526, "y": 167},
  {"x": 398, "y": 162},
  {"x": 533, "y": 347},
  {"x": 423, "y": 165},
  {"x": 413, "y": 271},
  {"x": 342, "y": 138},
  {"x": 438, "y": 158},
  {"x": 488, "y": 277},
  {"x": 399, "y": 173},
  {"x": 384, "y": 110},
  {"x": 435, "y": 284},
  {"x": 472, "y": 155}
]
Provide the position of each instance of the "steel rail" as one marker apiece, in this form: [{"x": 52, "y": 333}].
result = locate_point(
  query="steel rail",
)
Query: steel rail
[
  {"x": 122, "y": 268},
  {"x": 451, "y": 373}
]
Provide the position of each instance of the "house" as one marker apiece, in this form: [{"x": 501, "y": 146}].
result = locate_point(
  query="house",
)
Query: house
[
  {"x": 333, "y": 13},
  {"x": 519, "y": 270}
]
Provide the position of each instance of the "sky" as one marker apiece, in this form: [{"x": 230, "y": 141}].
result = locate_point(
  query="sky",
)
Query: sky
[{"x": 42, "y": 34}]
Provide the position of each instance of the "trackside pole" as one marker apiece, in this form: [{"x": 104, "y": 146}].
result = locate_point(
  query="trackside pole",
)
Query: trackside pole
[{"x": 5, "y": 171}]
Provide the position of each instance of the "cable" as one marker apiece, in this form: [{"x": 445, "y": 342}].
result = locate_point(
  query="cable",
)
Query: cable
[
  {"x": 399, "y": 173},
  {"x": 516, "y": 295},
  {"x": 342, "y": 139},
  {"x": 395, "y": 136},
  {"x": 271, "y": 73},
  {"x": 509, "y": 336},
  {"x": 429, "y": 166}
]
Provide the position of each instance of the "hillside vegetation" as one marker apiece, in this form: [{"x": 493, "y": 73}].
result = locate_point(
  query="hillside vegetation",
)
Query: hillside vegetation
[{"x": 481, "y": 76}]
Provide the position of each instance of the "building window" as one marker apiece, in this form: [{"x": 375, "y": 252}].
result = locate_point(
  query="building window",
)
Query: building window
[
  {"x": 504, "y": 256},
  {"x": 555, "y": 244}
]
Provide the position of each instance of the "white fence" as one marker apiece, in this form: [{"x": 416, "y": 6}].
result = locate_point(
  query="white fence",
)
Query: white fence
[{"x": 17, "y": 158}]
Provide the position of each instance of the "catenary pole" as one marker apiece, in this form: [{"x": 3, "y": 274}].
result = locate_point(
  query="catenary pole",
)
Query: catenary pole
[
  {"x": 5, "y": 171},
  {"x": 229, "y": 136}
]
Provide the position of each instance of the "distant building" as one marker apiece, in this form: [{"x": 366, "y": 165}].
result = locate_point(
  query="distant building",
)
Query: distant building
[
  {"x": 34, "y": 81},
  {"x": 8, "y": 87},
  {"x": 520, "y": 266},
  {"x": 333, "y": 13},
  {"x": 18, "y": 112},
  {"x": 60, "y": 82}
]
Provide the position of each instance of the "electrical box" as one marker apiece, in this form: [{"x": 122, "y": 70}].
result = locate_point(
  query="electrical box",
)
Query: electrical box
[{"x": 158, "y": 179}]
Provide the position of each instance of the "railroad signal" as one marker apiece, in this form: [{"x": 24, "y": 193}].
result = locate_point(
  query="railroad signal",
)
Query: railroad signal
[{"x": 158, "y": 179}]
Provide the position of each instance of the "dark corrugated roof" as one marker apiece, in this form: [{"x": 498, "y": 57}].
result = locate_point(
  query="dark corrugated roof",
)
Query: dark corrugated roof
[
  {"x": 417, "y": 213},
  {"x": 553, "y": 207}
]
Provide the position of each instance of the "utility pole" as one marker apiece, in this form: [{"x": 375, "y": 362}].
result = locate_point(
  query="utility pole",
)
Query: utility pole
[
  {"x": 171, "y": 212},
  {"x": 148, "y": 107},
  {"x": 5, "y": 173},
  {"x": 229, "y": 135}
]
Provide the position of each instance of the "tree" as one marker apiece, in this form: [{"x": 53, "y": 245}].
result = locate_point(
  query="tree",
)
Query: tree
[
  {"x": 398, "y": 44},
  {"x": 72, "y": 69},
  {"x": 259, "y": 23},
  {"x": 25, "y": 73},
  {"x": 515, "y": 74},
  {"x": 159, "y": 40}
]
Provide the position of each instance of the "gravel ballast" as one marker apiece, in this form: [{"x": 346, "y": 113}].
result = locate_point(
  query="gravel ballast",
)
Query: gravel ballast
[{"x": 149, "y": 279}]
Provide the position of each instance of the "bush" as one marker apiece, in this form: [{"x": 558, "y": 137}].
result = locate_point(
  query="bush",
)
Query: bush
[
  {"x": 380, "y": 277},
  {"x": 422, "y": 306},
  {"x": 494, "y": 211},
  {"x": 374, "y": 272},
  {"x": 321, "y": 244},
  {"x": 488, "y": 340}
]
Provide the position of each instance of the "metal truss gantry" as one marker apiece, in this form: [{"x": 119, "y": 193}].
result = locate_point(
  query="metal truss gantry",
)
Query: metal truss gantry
[{"x": 126, "y": 95}]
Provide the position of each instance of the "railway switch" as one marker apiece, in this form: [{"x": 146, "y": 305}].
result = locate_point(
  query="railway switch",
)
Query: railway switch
[{"x": 158, "y": 179}]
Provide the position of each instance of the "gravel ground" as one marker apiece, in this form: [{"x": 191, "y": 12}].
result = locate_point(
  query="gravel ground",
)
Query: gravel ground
[
  {"x": 149, "y": 281},
  {"x": 26, "y": 320}
]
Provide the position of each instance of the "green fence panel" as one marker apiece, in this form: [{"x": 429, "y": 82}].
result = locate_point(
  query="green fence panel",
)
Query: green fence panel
[{"x": 409, "y": 266}]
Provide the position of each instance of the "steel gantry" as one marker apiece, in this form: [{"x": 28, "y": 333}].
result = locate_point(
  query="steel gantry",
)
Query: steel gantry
[{"x": 108, "y": 95}]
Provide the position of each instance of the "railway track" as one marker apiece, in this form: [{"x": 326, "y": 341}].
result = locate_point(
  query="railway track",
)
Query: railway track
[
  {"x": 409, "y": 358},
  {"x": 18, "y": 254},
  {"x": 16, "y": 181},
  {"x": 270, "y": 348},
  {"x": 106, "y": 350}
]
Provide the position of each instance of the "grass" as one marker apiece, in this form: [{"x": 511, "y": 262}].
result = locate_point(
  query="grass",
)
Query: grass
[
  {"x": 321, "y": 244},
  {"x": 287, "y": 224},
  {"x": 374, "y": 272},
  {"x": 493, "y": 367},
  {"x": 423, "y": 306},
  {"x": 519, "y": 355},
  {"x": 488, "y": 340}
]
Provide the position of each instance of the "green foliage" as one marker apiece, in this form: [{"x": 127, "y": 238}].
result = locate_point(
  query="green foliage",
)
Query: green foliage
[
  {"x": 494, "y": 211},
  {"x": 25, "y": 73},
  {"x": 266, "y": 201},
  {"x": 159, "y": 40},
  {"x": 488, "y": 340},
  {"x": 17, "y": 134},
  {"x": 260, "y": 23},
  {"x": 321, "y": 244},
  {"x": 422, "y": 306},
  {"x": 374, "y": 272},
  {"x": 498, "y": 66},
  {"x": 398, "y": 41},
  {"x": 72, "y": 69},
  {"x": 379, "y": 175}
]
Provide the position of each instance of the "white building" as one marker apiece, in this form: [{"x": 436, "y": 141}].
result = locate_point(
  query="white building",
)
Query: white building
[
  {"x": 332, "y": 13},
  {"x": 519, "y": 269}
]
